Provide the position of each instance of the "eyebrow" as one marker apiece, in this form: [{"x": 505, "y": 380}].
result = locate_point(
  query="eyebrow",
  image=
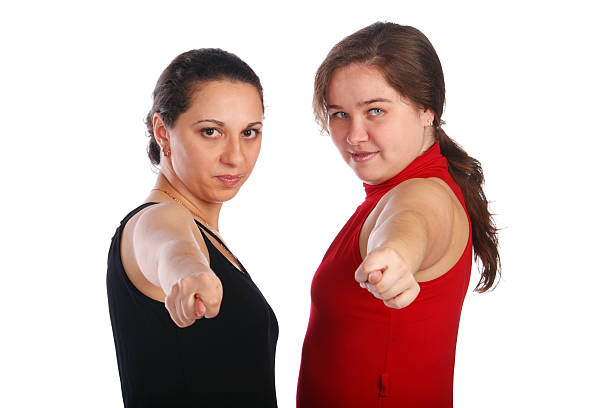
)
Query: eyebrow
[
  {"x": 219, "y": 123},
  {"x": 368, "y": 102}
]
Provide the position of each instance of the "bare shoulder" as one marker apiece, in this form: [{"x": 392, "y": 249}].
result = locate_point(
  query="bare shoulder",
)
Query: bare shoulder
[
  {"x": 446, "y": 220},
  {"x": 431, "y": 198},
  {"x": 422, "y": 195},
  {"x": 146, "y": 232},
  {"x": 164, "y": 222},
  {"x": 163, "y": 215}
]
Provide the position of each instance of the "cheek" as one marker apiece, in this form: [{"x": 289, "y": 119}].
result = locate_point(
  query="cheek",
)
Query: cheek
[
  {"x": 182, "y": 159},
  {"x": 337, "y": 130},
  {"x": 336, "y": 137},
  {"x": 400, "y": 135},
  {"x": 385, "y": 135},
  {"x": 252, "y": 152},
  {"x": 413, "y": 125},
  {"x": 200, "y": 157}
]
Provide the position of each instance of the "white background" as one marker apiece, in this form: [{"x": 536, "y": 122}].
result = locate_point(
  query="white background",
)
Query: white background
[{"x": 528, "y": 94}]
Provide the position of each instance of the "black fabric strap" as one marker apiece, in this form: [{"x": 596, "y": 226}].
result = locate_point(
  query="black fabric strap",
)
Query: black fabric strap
[{"x": 220, "y": 242}]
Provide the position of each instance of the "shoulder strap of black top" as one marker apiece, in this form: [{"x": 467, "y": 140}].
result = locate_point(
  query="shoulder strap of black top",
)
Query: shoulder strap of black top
[
  {"x": 141, "y": 206},
  {"x": 211, "y": 234},
  {"x": 219, "y": 241},
  {"x": 136, "y": 210}
]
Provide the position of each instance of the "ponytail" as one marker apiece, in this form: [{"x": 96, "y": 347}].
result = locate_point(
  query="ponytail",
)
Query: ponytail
[
  {"x": 467, "y": 173},
  {"x": 409, "y": 63}
]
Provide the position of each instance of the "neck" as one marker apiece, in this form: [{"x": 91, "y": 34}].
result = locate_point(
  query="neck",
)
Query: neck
[
  {"x": 209, "y": 211},
  {"x": 429, "y": 140}
]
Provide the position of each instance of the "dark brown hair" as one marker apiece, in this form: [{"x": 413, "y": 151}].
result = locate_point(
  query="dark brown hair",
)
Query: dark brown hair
[
  {"x": 178, "y": 82},
  {"x": 409, "y": 63}
]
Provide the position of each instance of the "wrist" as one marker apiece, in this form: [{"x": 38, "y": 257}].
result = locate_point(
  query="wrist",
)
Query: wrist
[
  {"x": 410, "y": 254},
  {"x": 177, "y": 261}
]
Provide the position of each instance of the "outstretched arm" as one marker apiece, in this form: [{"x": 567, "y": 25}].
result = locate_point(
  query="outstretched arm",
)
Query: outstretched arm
[
  {"x": 412, "y": 232},
  {"x": 170, "y": 256}
]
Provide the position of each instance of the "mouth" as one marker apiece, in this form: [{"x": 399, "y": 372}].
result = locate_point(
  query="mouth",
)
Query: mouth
[
  {"x": 229, "y": 180},
  {"x": 361, "y": 156}
]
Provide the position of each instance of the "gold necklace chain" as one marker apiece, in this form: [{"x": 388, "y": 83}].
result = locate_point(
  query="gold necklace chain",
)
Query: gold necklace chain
[
  {"x": 195, "y": 214},
  {"x": 203, "y": 221}
]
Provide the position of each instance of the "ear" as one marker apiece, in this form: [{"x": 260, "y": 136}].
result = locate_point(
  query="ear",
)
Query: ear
[
  {"x": 160, "y": 131},
  {"x": 427, "y": 117}
]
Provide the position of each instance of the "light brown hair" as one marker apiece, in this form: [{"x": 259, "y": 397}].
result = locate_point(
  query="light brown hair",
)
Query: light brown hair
[{"x": 410, "y": 65}]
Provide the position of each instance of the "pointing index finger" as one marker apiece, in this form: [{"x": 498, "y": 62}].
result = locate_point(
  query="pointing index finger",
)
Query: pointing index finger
[
  {"x": 199, "y": 306},
  {"x": 370, "y": 270},
  {"x": 375, "y": 276}
]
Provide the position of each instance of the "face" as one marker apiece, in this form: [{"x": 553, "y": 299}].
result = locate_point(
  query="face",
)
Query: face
[
  {"x": 215, "y": 143},
  {"x": 377, "y": 131}
]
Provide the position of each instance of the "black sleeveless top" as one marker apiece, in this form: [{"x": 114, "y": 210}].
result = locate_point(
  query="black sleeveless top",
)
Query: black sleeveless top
[{"x": 227, "y": 361}]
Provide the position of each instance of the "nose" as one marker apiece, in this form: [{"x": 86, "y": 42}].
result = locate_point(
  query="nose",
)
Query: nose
[
  {"x": 232, "y": 153},
  {"x": 357, "y": 133}
]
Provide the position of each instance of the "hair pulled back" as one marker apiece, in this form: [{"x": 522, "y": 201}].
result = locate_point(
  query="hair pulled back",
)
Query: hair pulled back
[
  {"x": 178, "y": 82},
  {"x": 410, "y": 65}
]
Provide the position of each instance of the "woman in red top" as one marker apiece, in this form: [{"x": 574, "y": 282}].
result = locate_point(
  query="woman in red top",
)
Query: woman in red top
[{"x": 387, "y": 297}]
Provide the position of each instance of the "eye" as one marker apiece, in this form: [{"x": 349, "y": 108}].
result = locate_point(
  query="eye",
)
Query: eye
[
  {"x": 375, "y": 111},
  {"x": 340, "y": 115},
  {"x": 210, "y": 132},
  {"x": 251, "y": 133}
]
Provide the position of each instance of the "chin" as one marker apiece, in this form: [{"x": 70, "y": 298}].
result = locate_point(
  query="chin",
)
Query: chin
[
  {"x": 367, "y": 177},
  {"x": 225, "y": 196},
  {"x": 218, "y": 196}
]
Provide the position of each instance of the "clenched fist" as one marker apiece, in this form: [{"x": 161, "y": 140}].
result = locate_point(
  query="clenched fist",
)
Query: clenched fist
[
  {"x": 194, "y": 296},
  {"x": 388, "y": 277}
]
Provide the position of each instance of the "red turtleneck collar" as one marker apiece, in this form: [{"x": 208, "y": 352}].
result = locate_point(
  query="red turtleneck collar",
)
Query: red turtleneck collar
[{"x": 420, "y": 167}]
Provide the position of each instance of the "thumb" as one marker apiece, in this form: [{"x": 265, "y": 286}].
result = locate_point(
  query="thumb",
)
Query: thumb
[{"x": 371, "y": 269}]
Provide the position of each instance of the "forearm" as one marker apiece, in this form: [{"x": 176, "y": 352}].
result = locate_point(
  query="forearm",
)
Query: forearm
[
  {"x": 407, "y": 234},
  {"x": 176, "y": 260}
]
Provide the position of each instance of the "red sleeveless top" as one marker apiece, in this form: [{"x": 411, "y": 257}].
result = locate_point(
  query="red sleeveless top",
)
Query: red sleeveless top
[{"x": 360, "y": 353}]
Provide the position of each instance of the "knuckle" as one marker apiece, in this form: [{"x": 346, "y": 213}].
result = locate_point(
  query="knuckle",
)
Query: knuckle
[
  {"x": 389, "y": 303},
  {"x": 211, "y": 300},
  {"x": 209, "y": 278},
  {"x": 369, "y": 259},
  {"x": 173, "y": 291},
  {"x": 183, "y": 284},
  {"x": 387, "y": 296}
]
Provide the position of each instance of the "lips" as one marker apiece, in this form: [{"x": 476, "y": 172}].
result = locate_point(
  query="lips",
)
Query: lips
[
  {"x": 229, "y": 180},
  {"x": 362, "y": 156}
]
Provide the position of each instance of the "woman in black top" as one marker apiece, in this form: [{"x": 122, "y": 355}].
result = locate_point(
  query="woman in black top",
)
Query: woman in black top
[{"x": 190, "y": 326}]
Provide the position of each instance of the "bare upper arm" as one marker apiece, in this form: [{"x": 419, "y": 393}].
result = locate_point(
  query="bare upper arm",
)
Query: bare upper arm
[
  {"x": 432, "y": 201},
  {"x": 156, "y": 228}
]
